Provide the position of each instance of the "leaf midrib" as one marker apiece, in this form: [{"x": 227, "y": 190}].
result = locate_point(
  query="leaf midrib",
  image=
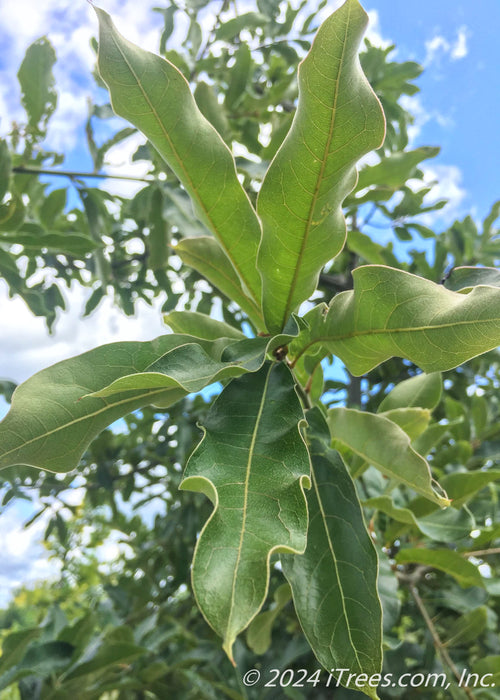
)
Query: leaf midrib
[
  {"x": 87, "y": 416},
  {"x": 334, "y": 559},
  {"x": 181, "y": 165},
  {"x": 319, "y": 181},
  {"x": 389, "y": 331}
]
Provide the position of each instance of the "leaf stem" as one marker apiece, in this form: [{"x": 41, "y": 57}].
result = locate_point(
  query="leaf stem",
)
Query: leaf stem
[
  {"x": 303, "y": 395},
  {"x": 440, "y": 647}
]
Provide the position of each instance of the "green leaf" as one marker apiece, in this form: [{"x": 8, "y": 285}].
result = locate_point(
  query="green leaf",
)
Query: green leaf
[
  {"x": 488, "y": 665},
  {"x": 253, "y": 465},
  {"x": 396, "y": 169},
  {"x": 430, "y": 438},
  {"x": 445, "y": 560},
  {"x": 334, "y": 583},
  {"x": 34, "y": 237},
  {"x": 391, "y": 313},
  {"x": 424, "y": 391},
  {"x": 209, "y": 106},
  {"x": 260, "y": 629},
  {"x": 462, "y": 486},
  {"x": 52, "y": 206},
  {"x": 109, "y": 654},
  {"x": 467, "y": 627},
  {"x": 386, "y": 446},
  {"x": 56, "y": 413},
  {"x": 14, "y": 646},
  {"x": 200, "y": 326},
  {"x": 35, "y": 77},
  {"x": 338, "y": 119},
  {"x": 369, "y": 250},
  {"x": 5, "y": 168},
  {"x": 413, "y": 421},
  {"x": 12, "y": 214},
  {"x": 158, "y": 232},
  {"x": 447, "y": 525},
  {"x": 206, "y": 256},
  {"x": 490, "y": 220},
  {"x": 463, "y": 279},
  {"x": 238, "y": 75},
  {"x": 247, "y": 21},
  {"x": 388, "y": 592},
  {"x": 152, "y": 94}
]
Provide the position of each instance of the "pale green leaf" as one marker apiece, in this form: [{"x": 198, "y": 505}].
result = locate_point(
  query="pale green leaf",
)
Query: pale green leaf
[
  {"x": 424, "y": 391},
  {"x": 386, "y": 446},
  {"x": 153, "y": 95},
  {"x": 35, "y": 77},
  {"x": 253, "y": 465},
  {"x": 396, "y": 169},
  {"x": 200, "y": 326},
  {"x": 413, "y": 421},
  {"x": 445, "y": 560},
  {"x": 338, "y": 119},
  {"x": 368, "y": 249},
  {"x": 392, "y": 313},
  {"x": 334, "y": 583},
  {"x": 206, "y": 256},
  {"x": 56, "y": 413},
  {"x": 260, "y": 629}
]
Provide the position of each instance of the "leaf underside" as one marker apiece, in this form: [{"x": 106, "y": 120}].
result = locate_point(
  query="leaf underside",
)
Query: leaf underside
[
  {"x": 338, "y": 120},
  {"x": 56, "y": 413},
  {"x": 392, "y": 313},
  {"x": 381, "y": 442},
  {"x": 253, "y": 465},
  {"x": 334, "y": 583},
  {"x": 152, "y": 94}
]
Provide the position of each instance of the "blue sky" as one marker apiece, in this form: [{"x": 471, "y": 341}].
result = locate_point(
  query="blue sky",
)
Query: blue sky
[
  {"x": 457, "y": 109},
  {"x": 464, "y": 90}
]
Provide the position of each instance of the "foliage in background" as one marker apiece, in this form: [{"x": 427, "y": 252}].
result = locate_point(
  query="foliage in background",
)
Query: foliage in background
[{"x": 130, "y": 627}]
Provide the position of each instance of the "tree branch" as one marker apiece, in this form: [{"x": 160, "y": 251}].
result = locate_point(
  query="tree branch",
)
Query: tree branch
[{"x": 438, "y": 644}]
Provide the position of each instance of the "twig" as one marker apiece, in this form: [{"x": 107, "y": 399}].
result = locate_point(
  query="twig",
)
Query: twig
[
  {"x": 481, "y": 552},
  {"x": 440, "y": 648},
  {"x": 71, "y": 174}
]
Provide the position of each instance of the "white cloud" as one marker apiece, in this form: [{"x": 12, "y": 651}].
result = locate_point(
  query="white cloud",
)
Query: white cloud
[
  {"x": 439, "y": 47},
  {"x": 448, "y": 179},
  {"x": 27, "y": 346},
  {"x": 460, "y": 49},
  {"x": 24, "y": 560},
  {"x": 374, "y": 33},
  {"x": 413, "y": 104}
]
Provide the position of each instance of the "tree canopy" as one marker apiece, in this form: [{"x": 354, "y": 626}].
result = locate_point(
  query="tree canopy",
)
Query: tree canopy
[{"x": 317, "y": 518}]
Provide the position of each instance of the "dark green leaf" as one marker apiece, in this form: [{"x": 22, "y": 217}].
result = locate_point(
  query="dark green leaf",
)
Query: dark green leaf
[
  {"x": 334, "y": 581},
  {"x": 253, "y": 465}
]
